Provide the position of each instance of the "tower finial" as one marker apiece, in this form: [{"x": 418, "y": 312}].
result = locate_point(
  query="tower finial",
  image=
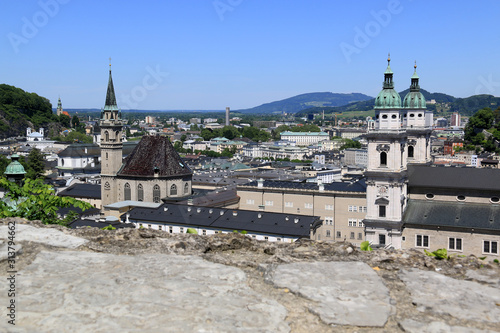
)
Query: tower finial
[
  {"x": 415, "y": 66},
  {"x": 110, "y": 64},
  {"x": 389, "y": 57}
]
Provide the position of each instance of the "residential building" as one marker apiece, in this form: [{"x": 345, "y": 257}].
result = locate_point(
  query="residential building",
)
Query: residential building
[
  {"x": 305, "y": 138},
  {"x": 454, "y": 208},
  {"x": 340, "y": 205},
  {"x": 267, "y": 226}
]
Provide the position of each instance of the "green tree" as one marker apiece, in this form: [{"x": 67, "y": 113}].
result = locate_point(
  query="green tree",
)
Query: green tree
[
  {"x": 348, "y": 143},
  {"x": 64, "y": 120},
  {"x": 35, "y": 164},
  {"x": 35, "y": 200}
]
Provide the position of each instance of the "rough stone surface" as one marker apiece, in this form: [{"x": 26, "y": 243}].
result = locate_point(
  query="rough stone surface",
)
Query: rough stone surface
[
  {"x": 346, "y": 293},
  {"x": 50, "y": 237},
  {"x": 413, "y": 326},
  {"x": 130, "y": 280},
  {"x": 487, "y": 276},
  {"x": 434, "y": 292},
  {"x": 95, "y": 292}
]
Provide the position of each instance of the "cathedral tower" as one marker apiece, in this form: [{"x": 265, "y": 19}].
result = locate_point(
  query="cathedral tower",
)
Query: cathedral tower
[
  {"x": 111, "y": 144},
  {"x": 59, "y": 107},
  {"x": 386, "y": 177}
]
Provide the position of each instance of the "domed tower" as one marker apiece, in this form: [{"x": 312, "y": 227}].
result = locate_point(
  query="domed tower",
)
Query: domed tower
[
  {"x": 388, "y": 103},
  {"x": 418, "y": 123},
  {"x": 386, "y": 171},
  {"x": 15, "y": 170}
]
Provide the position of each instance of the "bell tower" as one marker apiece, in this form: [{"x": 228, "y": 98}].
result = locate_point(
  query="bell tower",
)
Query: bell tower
[
  {"x": 111, "y": 126},
  {"x": 386, "y": 177}
]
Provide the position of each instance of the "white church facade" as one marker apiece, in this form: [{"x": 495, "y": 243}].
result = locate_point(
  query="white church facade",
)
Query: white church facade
[{"x": 400, "y": 135}]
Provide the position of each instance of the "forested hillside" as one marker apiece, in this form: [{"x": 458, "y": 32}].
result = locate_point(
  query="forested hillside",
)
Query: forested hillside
[{"x": 20, "y": 109}]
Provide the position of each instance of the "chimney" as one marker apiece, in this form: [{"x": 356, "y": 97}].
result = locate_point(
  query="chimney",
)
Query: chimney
[
  {"x": 321, "y": 186},
  {"x": 227, "y": 116},
  {"x": 260, "y": 183}
]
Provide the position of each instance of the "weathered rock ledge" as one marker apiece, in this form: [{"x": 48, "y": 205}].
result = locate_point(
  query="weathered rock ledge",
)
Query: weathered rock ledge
[{"x": 151, "y": 281}]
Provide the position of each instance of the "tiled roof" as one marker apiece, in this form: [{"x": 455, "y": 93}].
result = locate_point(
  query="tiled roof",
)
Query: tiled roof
[
  {"x": 454, "y": 178},
  {"x": 90, "y": 191},
  {"x": 359, "y": 186},
  {"x": 154, "y": 155},
  {"x": 227, "y": 219},
  {"x": 452, "y": 214},
  {"x": 78, "y": 150}
]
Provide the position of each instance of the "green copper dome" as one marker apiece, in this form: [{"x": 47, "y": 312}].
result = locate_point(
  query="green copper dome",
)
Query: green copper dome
[
  {"x": 14, "y": 168},
  {"x": 414, "y": 99},
  {"x": 388, "y": 98}
]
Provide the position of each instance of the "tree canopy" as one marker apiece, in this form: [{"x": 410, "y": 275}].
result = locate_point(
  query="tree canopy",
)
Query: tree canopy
[{"x": 35, "y": 200}]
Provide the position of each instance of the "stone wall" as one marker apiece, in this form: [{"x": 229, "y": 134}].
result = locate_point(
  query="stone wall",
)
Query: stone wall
[{"x": 148, "y": 280}]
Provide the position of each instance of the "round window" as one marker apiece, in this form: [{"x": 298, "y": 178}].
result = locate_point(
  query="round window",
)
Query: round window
[
  {"x": 384, "y": 116},
  {"x": 494, "y": 199},
  {"x": 412, "y": 115},
  {"x": 461, "y": 197},
  {"x": 429, "y": 196},
  {"x": 420, "y": 115},
  {"x": 394, "y": 116}
]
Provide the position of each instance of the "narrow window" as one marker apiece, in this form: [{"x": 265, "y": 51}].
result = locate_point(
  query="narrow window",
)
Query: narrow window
[
  {"x": 156, "y": 193},
  {"x": 410, "y": 151},
  {"x": 140, "y": 193},
  {"x": 328, "y": 233},
  {"x": 383, "y": 158},
  {"x": 128, "y": 195},
  {"x": 186, "y": 188},
  {"x": 173, "y": 190},
  {"x": 381, "y": 239},
  {"x": 381, "y": 211}
]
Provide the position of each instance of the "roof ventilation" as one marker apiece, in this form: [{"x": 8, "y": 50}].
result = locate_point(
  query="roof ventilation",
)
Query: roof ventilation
[
  {"x": 259, "y": 215},
  {"x": 189, "y": 209},
  {"x": 296, "y": 220},
  {"x": 235, "y": 213},
  {"x": 165, "y": 209},
  {"x": 210, "y": 211},
  {"x": 198, "y": 210},
  {"x": 221, "y": 213}
]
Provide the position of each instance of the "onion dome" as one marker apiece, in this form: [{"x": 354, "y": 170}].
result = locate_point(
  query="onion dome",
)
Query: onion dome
[
  {"x": 388, "y": 98},
  {"x": 414, "y": 99}
]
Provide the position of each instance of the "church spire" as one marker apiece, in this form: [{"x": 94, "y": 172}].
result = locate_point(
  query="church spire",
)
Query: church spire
[{"x": 110, "y": 94}]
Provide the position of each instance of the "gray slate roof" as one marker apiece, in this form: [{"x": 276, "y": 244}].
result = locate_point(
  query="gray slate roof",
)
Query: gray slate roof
[
  {"x": 90, "y": 191},
  {"x": 452, "y": 214},
  {"x": 454, "y": 178},
  {"x": 359, "y": 186},
  {"x": 226, "y": 219}
]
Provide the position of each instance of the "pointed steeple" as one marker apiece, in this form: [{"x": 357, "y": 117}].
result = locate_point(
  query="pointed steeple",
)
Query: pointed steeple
[{"x": 110, "y": 94}]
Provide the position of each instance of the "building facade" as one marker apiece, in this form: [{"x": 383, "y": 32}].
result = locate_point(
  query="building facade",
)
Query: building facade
[
  {"x": 151, "y": 172},
  {"x": 305, "y": 138},
  {"x": 401, "y": 135}
]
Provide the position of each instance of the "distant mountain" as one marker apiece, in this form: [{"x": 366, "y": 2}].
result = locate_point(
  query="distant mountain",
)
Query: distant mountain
[
  {"x": 468, "y": 106},
  {"x": 368, "y": 105},
  {"x": 304, "y": 101}
]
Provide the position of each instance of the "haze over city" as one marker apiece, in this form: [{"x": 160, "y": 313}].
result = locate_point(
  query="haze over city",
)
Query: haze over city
[{"x": 176, "y": 55}]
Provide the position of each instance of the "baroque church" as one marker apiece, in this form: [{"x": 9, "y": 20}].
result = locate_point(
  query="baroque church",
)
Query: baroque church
[
  {"x": 151, "y": 172},
  {"x": 399, "y": 136}
]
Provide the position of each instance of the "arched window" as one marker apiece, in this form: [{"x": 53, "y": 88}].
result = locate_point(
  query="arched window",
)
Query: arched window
[
  {"x": 383, "y": 158},
  {"x": 410, "y": 151},
  {"x": 186, "y": 188},
  {"x": 156, "y": 193},
  {"x": 106, "y": 136},
  {"x": 173, "y": 190},
  {"x": 107, "y": 186},
  {"x": 128, "y": 194},
  {"x": 140, "y": 193}
]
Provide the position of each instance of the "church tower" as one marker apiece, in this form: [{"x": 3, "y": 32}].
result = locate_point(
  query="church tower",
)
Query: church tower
[
  {"x": 386, "y": 176},
  {"x": 418, "y": 123},
  {"x": 111, "y": 126},
  {"x": 59, "y": 107}
]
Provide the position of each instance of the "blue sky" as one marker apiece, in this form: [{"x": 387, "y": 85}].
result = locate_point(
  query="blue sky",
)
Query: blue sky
[{"x": 209, "y": 54}]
